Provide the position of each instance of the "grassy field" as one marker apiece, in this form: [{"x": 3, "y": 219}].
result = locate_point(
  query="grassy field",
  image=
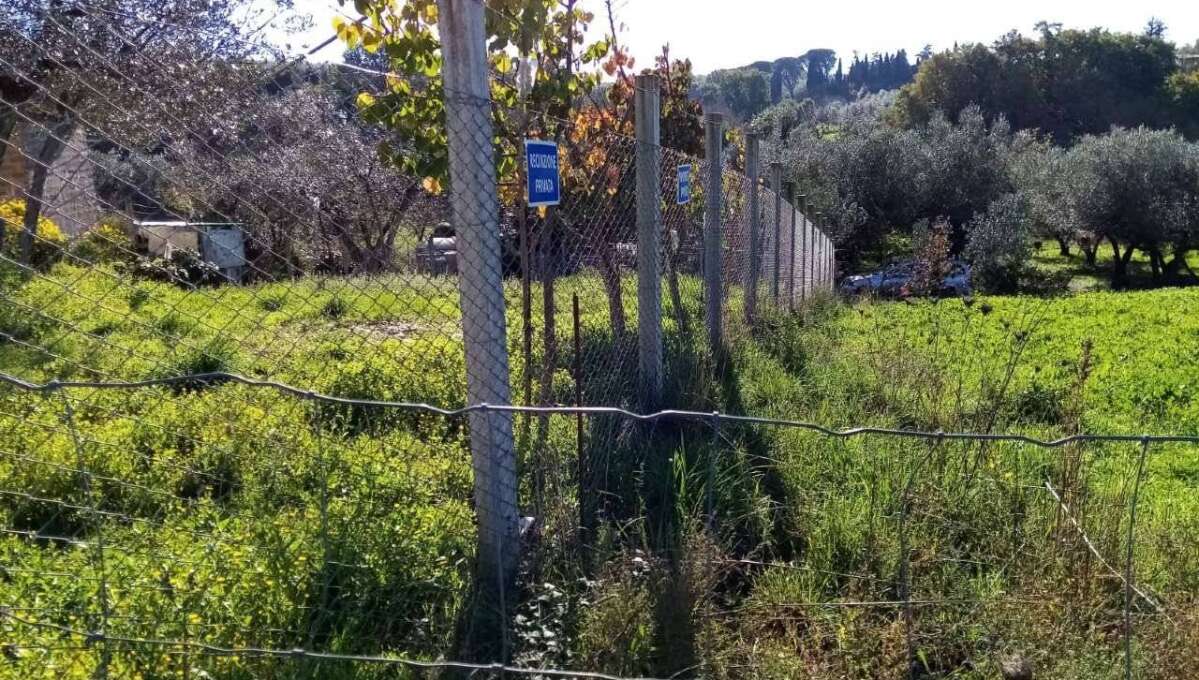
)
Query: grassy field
[
  {"x": 981, "y": 525},
  {"x": 217, "y": 513}
]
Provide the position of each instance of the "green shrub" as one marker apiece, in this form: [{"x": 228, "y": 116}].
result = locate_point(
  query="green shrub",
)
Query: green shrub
[
  {"x": 430, "y": 371},
  {"x": 272, "y": 303},
  {"x": 138, "y": 296},
  {"x": 181, "y": 267},
  {"x": 335, "y": 308},
  {"x": 217, "y": 356},
  {"x": 47, "y": 246},
  {"x": 19, "y": 324},
  {"x": 999, "y": 245},
  {"x": 108, "y": 241}
]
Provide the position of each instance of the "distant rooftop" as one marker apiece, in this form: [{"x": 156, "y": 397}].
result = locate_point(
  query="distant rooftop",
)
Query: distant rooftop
[{"x": 184, "y": 223}]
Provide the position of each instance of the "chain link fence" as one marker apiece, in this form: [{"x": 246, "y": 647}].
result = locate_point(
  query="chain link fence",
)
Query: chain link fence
[{"x": 275, "y": 404}]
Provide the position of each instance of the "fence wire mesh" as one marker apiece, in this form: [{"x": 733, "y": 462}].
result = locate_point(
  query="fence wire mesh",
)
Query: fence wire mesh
[
  {"x": 275, "y": 405},
  {"x": 113, "y": 571}
]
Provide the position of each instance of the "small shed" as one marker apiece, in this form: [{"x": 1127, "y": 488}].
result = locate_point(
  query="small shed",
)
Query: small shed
[{"x": 221, "y": 243}]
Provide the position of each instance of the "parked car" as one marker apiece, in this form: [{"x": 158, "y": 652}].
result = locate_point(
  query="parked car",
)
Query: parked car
[{"x": 895, "y": 280}]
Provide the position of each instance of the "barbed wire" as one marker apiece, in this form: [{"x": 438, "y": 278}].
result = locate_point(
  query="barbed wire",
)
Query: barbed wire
[
  {"x": 93, "y": 637},
  {"x": 667, "y": 414}
]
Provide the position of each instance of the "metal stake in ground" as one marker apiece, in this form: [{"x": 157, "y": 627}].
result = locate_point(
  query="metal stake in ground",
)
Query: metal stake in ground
[
  {"x": 1128, "y": 571},
  {"x": 587, "y": 505}
]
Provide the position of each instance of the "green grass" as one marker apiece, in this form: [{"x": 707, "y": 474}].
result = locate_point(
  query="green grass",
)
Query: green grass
[
  {"x": 1082, "y": 277},
  {"x": 977, "y": 521},
  {"x": 244, "y": 517}
]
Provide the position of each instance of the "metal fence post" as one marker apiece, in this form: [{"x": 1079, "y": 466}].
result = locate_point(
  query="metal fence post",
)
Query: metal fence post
[
  {"x": 475, "y": 209},
  {"x": 776, "y": 183},
  {"x": 1129, "y": 574},
  {"x": 649, "y": 234},
  {"x": 713, "y": 196},
  {"x": 752, "y": 146}
]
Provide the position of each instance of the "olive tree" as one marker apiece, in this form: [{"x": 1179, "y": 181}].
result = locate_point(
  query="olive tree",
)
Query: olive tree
[
  {"x": 1041, "y": 173},
  {"x": 870, "y": 178},
  {"x": 998, "y": 244},
  {"x": 1138, "y": 189},
  {"x": 118, "y": 68},
  {"x": 310, "y": 184}
]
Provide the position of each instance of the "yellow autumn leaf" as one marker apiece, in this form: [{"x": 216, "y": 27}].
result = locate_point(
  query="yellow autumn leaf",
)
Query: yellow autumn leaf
[
  {"x": 372, "y": 40},
  {"x": 365, "y": 100},
  {"x": 432, "y": 185},
  {"x": 431, "y": 13},
  {"x": 503, "y": 63},
  {"x": 542, "y": 211},
  {"x": 349, "y": 33}
]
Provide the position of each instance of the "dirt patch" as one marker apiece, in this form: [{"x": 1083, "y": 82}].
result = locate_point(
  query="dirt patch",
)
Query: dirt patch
[{"x": 388, "y": 330}]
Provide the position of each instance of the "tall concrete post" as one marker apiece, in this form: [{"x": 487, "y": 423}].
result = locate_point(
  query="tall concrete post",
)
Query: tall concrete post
[
  {"x": 713, "y": 199},
  {"x": 776, "y": 184},
  {"x": 649, "y": 234},
  {"x": 475, "y": 210},
  {"x": 792, "y": 250},
  {"x": 752, "y": 160},
  {"x": 804, "y": 242}
]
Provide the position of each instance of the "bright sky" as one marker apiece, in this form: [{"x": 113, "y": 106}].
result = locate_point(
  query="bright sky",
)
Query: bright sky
[{"x": 721, "y": 33}]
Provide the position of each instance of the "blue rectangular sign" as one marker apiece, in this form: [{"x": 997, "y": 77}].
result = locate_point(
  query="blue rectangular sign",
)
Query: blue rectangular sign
[
  {"x": 684, "y": 192},
  {"x": 544, "y": 185}
]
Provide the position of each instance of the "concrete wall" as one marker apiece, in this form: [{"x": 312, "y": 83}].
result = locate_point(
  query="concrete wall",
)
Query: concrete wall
[
  {"x": 12, "y": 170},
  {"x": 70, "y": 199}
]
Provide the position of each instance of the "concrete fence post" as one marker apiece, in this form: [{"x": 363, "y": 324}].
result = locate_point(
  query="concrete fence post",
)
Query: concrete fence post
[
  {"x": 649, "y": 235},
  {"x": 792, "y": 249},
  {"x": 713, "y": 198},
  {"x": 474, "y": 206},
  {"x": 817, "y": 241},
  {"x": 752, "y": 160},
  {"x": 832, "y": 265},
  {"x": 776, "y": 185},
  {"x": 828, "y": 270},
  {"x": 803, "y": 247},
  {"x": 823, "y": 260}
]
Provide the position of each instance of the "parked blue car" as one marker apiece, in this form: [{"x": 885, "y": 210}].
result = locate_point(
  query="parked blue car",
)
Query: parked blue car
[{"x": 895, "y": 280}]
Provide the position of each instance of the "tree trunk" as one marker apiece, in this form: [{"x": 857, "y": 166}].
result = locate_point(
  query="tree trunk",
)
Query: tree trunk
[
  {"x": 8, "y": 121},
  {"x": 47, "y": 151},
  {"x": 610, "y": 273},
  {"x": 1090, "y": 253},
  {"x": 1063, "y": 246},
  {"x": 1118, "y": 276},
  {"x": 1178, "y": 261},
  {"x": 1120, "y": 263},
  {"x": 1157, "y": 263}
]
